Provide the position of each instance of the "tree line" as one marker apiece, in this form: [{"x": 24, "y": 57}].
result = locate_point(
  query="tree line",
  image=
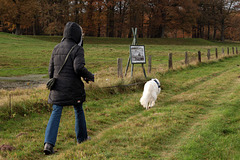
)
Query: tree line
[{"x": 209, "y": 19}]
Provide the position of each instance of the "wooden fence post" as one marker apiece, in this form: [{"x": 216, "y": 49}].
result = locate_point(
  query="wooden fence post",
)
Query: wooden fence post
[
  {"x": 170, "y": 65},
  {"x": 223, "y": 52},
  {"x": 236, "y": 50},
  {"x": 228, "y": 50},
  {"x": 233, "y": 50},
  {"x": 199, "y": 57},
  {"x": 10, "y": 105},
  {"x": 216, "y": 53},
  {"x": 208, "y": 54},
  {"x": 119, "y": 61},
  {"x": 186, "y": 58},
  {"x": 149, "y": 63}
]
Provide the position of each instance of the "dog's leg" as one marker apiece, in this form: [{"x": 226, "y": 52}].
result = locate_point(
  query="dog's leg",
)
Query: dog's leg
[
  {"x": 147, "y": 106},
  {"x": 153, "y": 103}
]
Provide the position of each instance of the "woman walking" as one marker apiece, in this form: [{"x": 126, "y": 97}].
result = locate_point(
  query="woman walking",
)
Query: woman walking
[{"x": 67, "y": 66}]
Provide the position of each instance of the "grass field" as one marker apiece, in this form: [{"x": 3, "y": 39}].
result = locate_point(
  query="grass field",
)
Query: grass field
[
  {"x": 195, "y": 117},
  {"x": 21, "y": 55}
]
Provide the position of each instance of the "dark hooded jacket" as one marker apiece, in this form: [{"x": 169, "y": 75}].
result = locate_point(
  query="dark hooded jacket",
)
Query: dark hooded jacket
[{"x": 69, "y": 88}]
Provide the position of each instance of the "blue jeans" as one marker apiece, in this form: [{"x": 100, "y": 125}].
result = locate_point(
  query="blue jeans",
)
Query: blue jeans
[{"x": 53, "y": 124}]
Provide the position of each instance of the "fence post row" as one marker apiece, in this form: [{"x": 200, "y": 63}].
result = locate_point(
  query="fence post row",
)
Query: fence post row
[
  {"x": 199, "y": 57},
  {"x": 149, "y": 63},
  {"x": 10, "y": 105},
  {"x": 170, "y": 62},
  {"x": 186, "y": 58},
  {"x": 216, "y": 53},
  {"x": 208, "y": 54},
  {"x": 170, "y": 65},
  {"x": 119, "y": 61}
]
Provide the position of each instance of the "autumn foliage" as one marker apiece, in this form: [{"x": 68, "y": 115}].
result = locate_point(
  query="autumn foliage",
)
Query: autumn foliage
[{"x": 209, "y": 19}]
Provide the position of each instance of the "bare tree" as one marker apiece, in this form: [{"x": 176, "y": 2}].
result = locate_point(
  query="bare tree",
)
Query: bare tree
[{"x": 226, "y": 8}]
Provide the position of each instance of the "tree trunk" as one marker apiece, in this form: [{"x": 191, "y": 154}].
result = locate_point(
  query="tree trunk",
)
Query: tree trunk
[
  {"x": 222, "y": 30},
  {"x": 99, "y": 30},
  {"x": 34, "y": 32},
  {"x": 99, "y": 23},
  {"x": 110, "y": 21},
  {"x": 162, "y": 31},
  {"x": 34, "y": 29},
  {"x": 202, "y": 31},
  {"x": 90, "y": 29},
  {"x": 194, "y": 33},
  {"x": 18, "y": 29},
  {"x": 214, "y": 33},
  {"x": 76, "y": 12},
  {"x": 175, "y": 33},
  {"x": 208, "y": 34},
  {"x": 198, "y": 31},
  {"x": 141, "y": 23},
  {"x": 149, "y": 27}
]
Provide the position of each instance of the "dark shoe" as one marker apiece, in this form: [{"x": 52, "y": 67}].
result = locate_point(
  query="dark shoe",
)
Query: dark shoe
[
  {"x": 48, "y": 149},
  {"x": 88, "y": 138}
]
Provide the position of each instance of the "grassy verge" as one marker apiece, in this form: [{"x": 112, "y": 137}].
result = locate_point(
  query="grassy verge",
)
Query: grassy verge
[
  {"x": 195, "y": 117},
  {"x": 190, "y": 121}
]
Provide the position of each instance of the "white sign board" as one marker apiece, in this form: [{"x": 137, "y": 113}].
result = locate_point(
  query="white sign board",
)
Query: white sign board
[{"x": 137, "y": 54}]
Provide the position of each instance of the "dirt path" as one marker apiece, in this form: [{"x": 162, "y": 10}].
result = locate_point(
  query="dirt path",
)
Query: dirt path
[{"x": 27, "y": 81}]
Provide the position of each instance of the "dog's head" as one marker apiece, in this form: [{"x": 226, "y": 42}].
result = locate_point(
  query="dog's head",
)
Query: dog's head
[
  {"x": 157, "y": 82},
  {"x": 155, "y": 79}
]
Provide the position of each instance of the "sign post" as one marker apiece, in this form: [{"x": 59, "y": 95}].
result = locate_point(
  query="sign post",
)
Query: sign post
[{"x": 137, "y": 54}]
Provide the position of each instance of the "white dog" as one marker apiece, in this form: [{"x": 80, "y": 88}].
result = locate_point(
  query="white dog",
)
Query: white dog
[{"x": 150, "y": 93}]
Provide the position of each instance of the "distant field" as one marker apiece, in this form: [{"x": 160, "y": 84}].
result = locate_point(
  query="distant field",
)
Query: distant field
[
  {"x": 21, "y": 55},
  {"x": 140, "y": 41}
]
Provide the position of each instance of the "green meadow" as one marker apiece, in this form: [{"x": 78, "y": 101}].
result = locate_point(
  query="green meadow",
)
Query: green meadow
[
  {"x": 21, "y": 55},
  {"x": 195, "y": 116}
]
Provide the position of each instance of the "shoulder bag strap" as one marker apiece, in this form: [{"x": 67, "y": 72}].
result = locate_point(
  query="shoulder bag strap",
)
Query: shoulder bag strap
[{"x": 66, "y": 58}]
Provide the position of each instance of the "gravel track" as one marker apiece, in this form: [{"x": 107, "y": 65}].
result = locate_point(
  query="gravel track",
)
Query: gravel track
[{"x": 27, "y": 81}]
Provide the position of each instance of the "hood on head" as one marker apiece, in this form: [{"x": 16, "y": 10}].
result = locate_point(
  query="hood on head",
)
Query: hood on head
[{"x": 73, "y": 31}]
